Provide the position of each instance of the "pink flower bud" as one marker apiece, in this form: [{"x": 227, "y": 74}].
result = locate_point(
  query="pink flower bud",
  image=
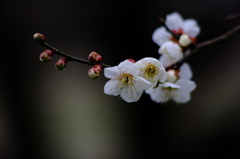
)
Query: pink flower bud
[
  {"x": 131, "y": 60},
  {"x": 95, "y": 71},
  {"x": 46, "y": 56},
  {"x": 94, "y": 57},
  {"x": 39, "y": 37},
  {"x": 62, "y": 63}
]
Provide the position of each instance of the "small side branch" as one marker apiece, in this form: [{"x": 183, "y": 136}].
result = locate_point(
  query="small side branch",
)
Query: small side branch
[
  {"x": 70, "y": 57},
  {"x": 233, "y": 17}
]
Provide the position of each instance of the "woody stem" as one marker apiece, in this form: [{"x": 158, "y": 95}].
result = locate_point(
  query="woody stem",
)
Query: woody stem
[{"x": 70, "y": 57}]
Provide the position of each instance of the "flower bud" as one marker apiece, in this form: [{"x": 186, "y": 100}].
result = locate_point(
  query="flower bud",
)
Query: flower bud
[
  {"x": 46, "y": 56},
  {"x": 95, "y": 71},
  {"x": 171, "y": 76},
  {"x": 184, "y": 40},
  {"x": 131, "y": 60},
  {"x": 39, "y": 37},
  {"x": 94, "y": 57},
  {"x": 62, "y": 63}
]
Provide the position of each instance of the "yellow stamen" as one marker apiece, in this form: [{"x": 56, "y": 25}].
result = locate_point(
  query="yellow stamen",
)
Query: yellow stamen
[
  {"x": 126, "y": 79},
  {"x": 151, "y": 70}
]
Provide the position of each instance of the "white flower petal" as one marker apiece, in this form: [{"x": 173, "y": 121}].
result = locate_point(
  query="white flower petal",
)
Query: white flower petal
[
  {"x": 185, "y": 72},
  {"x": 161, "y": 35},
  {"x": 183, "y": 94},
  {"x": 158, "y": 94},
  {"x": 162, "y": 76},
  {"x": 172, "y": 53},
  {"x": 191, "y": 28},
  {"x": 133, "y": 93},
  {"x": 143, "y": 62},
  {"x": 141, "y": 82},
  {"x": 175, "y": 51},
  {"x": 170, "y": 85},
  {"x": 130, "y": 95},
  {"x": 167, "y": 60},
  {"x": 172, "y": 49},
  {"x": 112, "y": 87},
  {"x": 128, "y": 67},
  {"x": 112, "y": 72},
  {"x": 174, "y": 21}
]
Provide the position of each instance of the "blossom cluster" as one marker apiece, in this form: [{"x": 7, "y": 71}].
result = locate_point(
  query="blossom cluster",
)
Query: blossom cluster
[{"x": 158, "y": 77}]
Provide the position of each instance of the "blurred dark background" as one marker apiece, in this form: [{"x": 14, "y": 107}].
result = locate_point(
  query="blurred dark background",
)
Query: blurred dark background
[{"x": 46, "y": 113}]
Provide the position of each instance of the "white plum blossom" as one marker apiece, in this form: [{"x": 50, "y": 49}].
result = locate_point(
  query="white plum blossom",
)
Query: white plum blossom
[
  {"x": 178, "y": 87},
  {"x": 170, "y": 53},
  {"x": 178, "y": 25},
  {"x": 125, "y": 81},
  {"x": 161, "y": 35},
  {"x": 152, "y": 70}
]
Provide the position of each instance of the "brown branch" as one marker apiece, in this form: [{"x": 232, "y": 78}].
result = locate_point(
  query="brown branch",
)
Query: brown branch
[
  {"x": 233, "y": 17},
  {"x": 70, "y": 57}
]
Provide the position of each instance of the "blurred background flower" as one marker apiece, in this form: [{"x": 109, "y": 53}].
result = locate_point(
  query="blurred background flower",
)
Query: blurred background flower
[{"x": 46, "y": 113}]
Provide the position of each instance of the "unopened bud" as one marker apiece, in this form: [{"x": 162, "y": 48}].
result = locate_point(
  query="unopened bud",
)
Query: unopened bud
[
  {"x": 131, "y": 60},
  {"x": 95, "y": 71},
  {"x": 95, "y": 57},
  {"x": 39, "y": 37},
  {"x": 46, "y": 56},
  {"x": 171, "y": 76},
  {"x": 184, "y": 40},
  {"x": 62, "y": 63}
]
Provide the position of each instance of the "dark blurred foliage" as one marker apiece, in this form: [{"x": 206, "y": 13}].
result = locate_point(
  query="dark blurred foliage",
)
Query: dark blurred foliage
[{"x": 38, "y": 102}]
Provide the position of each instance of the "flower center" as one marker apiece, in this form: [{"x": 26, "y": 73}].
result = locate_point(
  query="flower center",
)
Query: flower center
[
  {"x": 151, "y": 70},
  {"x": 126, "y": 80}
]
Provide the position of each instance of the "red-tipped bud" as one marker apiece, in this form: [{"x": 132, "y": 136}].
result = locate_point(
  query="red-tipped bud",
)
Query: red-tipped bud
[
  {"x": 62, "y": 63},
  {"x": 95, "y": 71},
  {"x": 94, "y": 57},
  {"x": 46, "y": 56},
  {"x": 39, "y": 37},
  {"x": 131, "y": 60}
]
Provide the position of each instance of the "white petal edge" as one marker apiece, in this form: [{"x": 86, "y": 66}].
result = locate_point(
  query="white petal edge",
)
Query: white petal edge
[
  {"x": 167, "y": 60},
  {"x": 191, "y": 28},
  {"x": 174, "y": 21},
  {"x": 185, "y": 72},
  {"x": 174, "y": 50},
  {"x": 112, "y": 87},
  {"x": 133, "y": 94},
  {"x": 171, "y": 85},
  {"x": 183, "y": 95},
  {"x": 112, "y": 72},
  {"x": 171, "y": 53},
  {"x": 128, "y": 67},
  {"x": 158, "y": 95},
  {"x": 161, "y": 35}
]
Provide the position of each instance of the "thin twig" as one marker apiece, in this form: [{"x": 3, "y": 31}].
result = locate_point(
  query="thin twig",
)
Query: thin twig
[
  {"x": 233, "y": 17},
  {"x": 70, "y": 57}
]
